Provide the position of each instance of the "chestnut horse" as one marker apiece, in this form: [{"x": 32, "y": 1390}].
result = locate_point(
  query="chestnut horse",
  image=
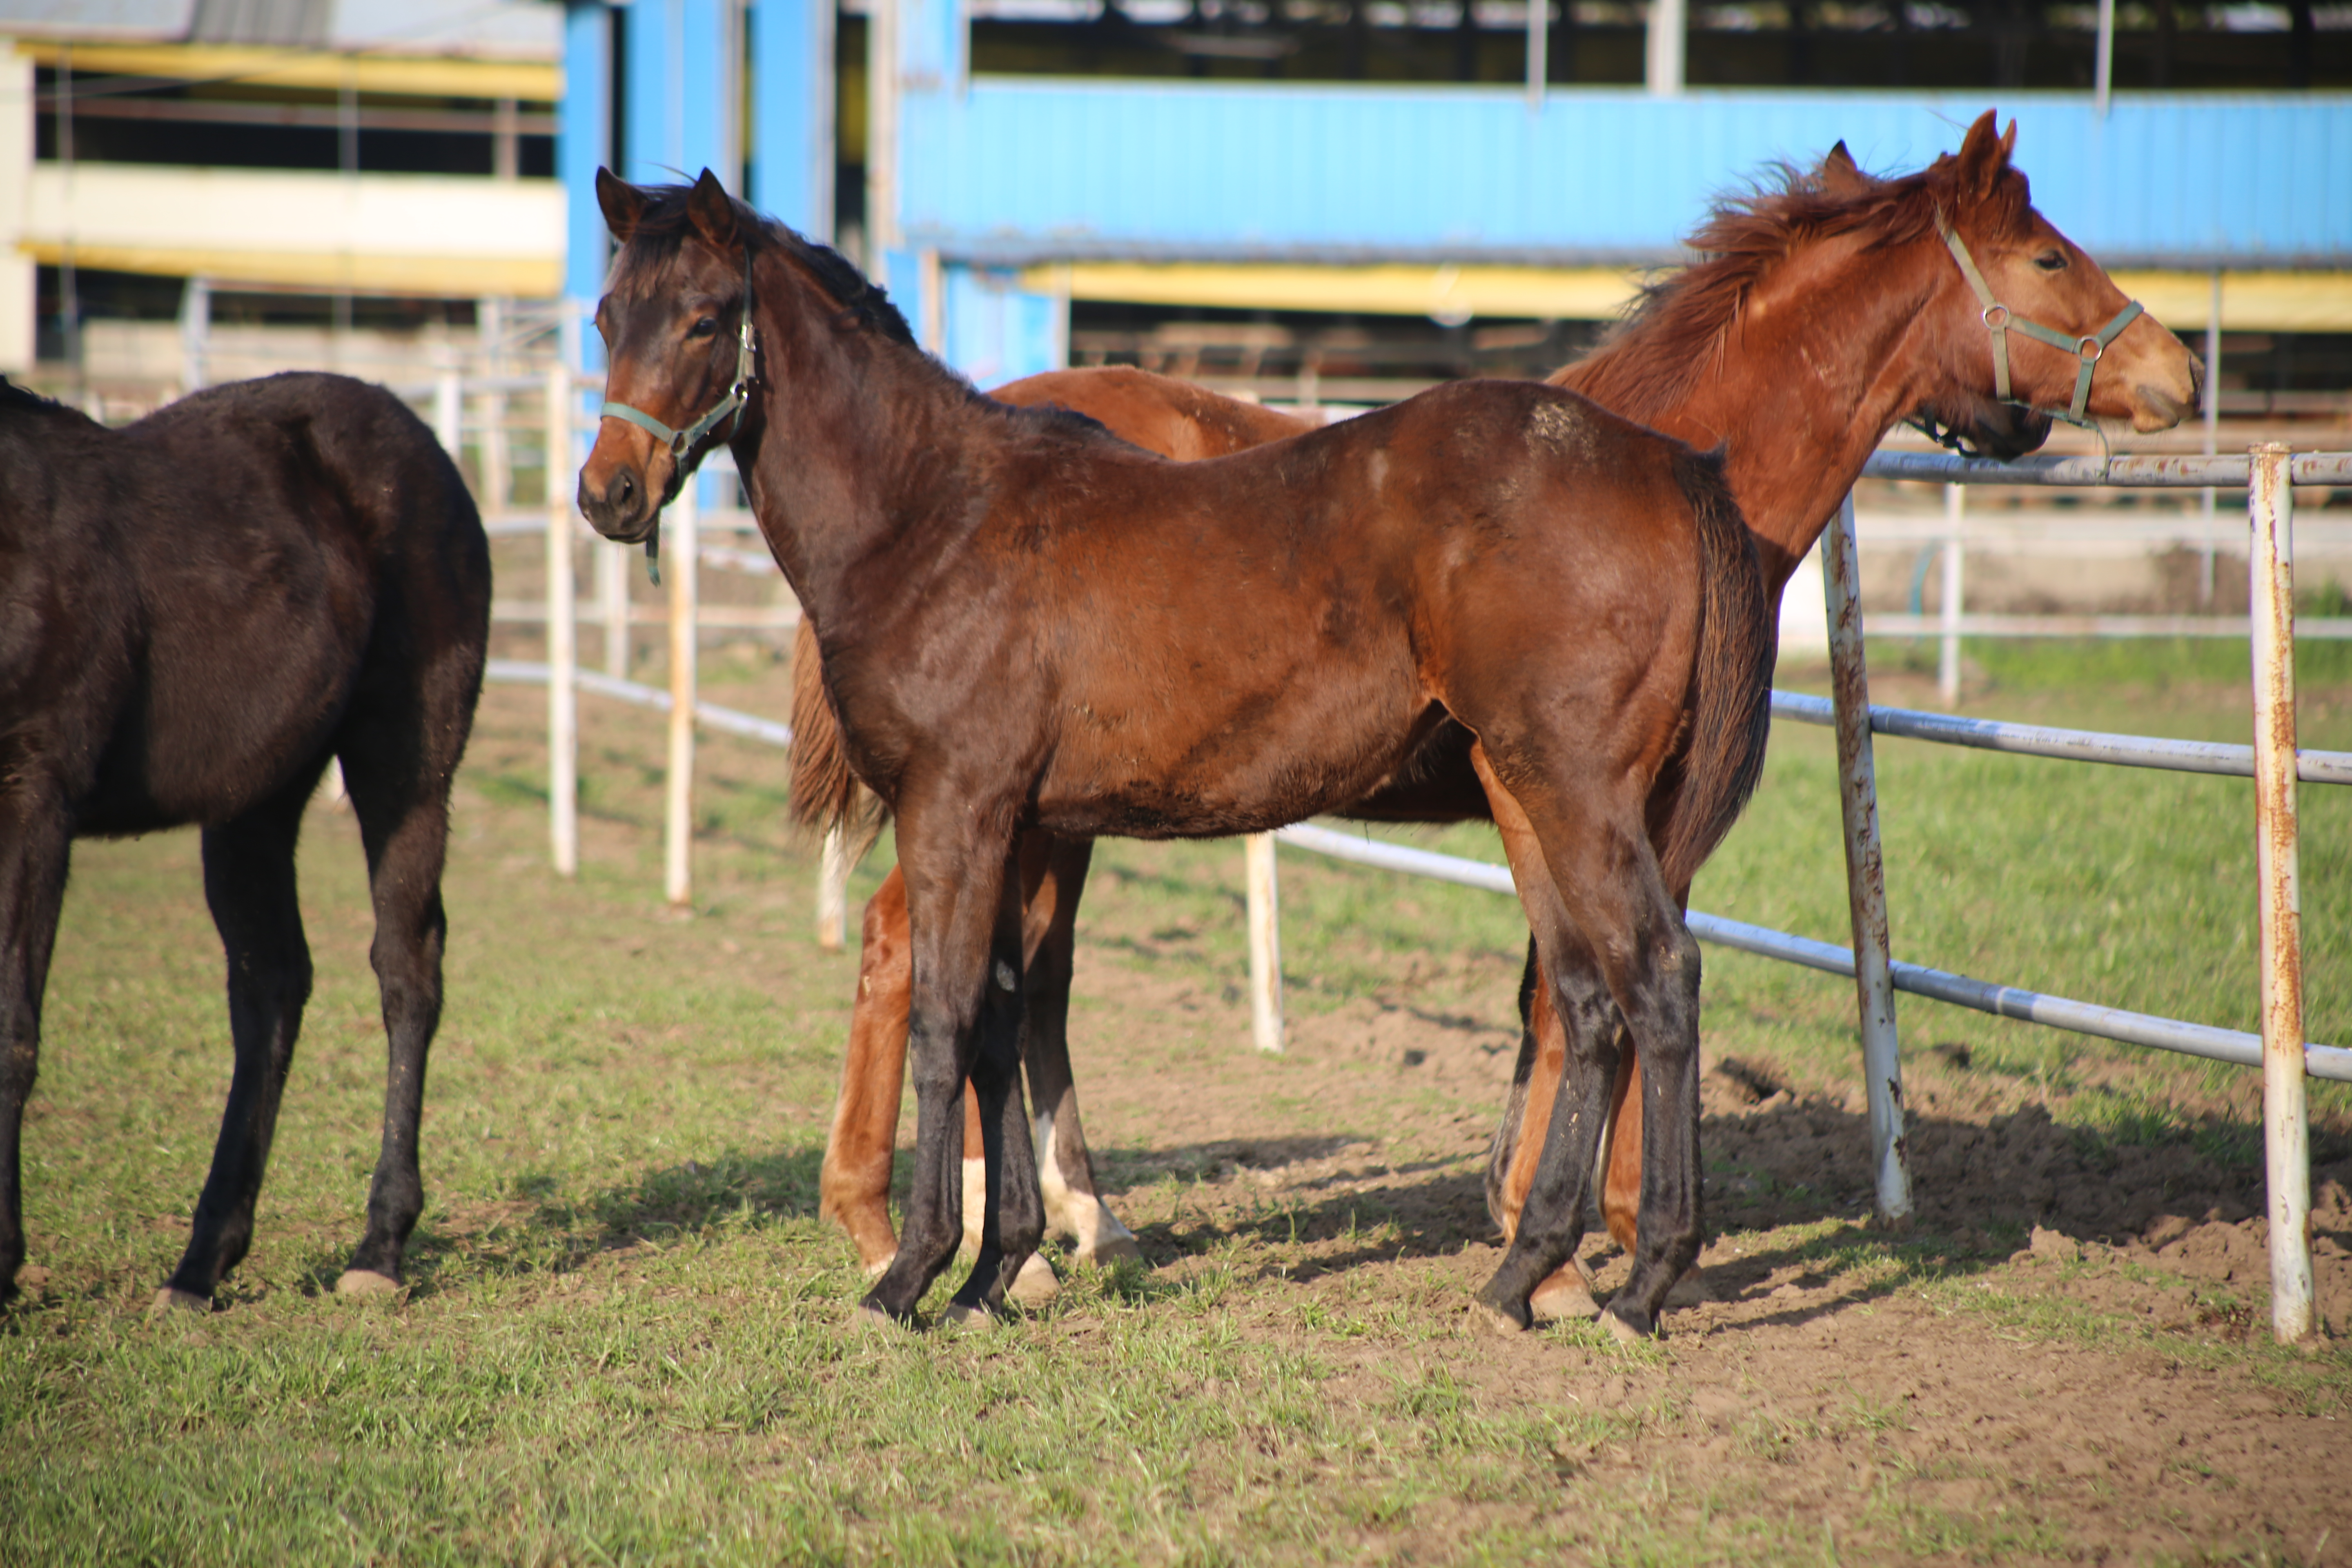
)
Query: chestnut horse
[
  {"x": 197, "y": 614},
  {"x": 1767, "y": 293},
  {"x": 1026, "y": 623}
]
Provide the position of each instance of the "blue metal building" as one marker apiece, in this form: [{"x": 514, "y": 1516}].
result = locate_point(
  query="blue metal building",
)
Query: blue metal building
[{"x": 989, "y": 194}]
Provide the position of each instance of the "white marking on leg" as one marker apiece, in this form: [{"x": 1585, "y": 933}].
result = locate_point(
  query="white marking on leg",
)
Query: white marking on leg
[{"x": 1082, "y": 1217}]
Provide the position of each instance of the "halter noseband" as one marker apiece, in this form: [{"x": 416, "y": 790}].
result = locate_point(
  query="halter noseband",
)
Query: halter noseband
[
  {"x": 2087, "y": 349},
  {"x": 682, "y": 442}
]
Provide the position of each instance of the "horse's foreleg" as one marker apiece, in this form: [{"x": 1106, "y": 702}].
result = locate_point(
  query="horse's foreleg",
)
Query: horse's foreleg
[
  {"x": 1519, "y": 1140},
  {"x": 854, "y": 1185},
  {"x": 1620, "y": 1189},
  {"x": 34, "y": 851},
  {"x": 249, "y": 885},
  {"x": 963, "y": 1024},
  {"x": 1511, "y": 1153},
  {"x": 1065, "y": 1169}
]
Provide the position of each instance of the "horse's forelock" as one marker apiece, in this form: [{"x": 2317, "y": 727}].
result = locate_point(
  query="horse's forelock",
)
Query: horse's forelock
[{"x": 660, "y": 238}]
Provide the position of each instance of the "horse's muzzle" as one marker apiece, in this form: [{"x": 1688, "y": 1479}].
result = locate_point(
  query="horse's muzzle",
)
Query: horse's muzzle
[{"x": 621, "y": 509}]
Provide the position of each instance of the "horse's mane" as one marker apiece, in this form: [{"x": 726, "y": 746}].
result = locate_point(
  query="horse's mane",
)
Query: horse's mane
[
  {"x": 15, "y": 396},
  {"x": 663, "y": 226},
  {"x": 1656, "y": 358}
]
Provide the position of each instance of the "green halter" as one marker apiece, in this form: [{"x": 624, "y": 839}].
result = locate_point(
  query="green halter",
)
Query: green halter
[
  {"x": 683, "y": 442},
  {"x": 1998, "y": 320}
]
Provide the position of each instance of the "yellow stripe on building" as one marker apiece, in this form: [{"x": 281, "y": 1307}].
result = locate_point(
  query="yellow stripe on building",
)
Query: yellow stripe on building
[
  {"x": 414, "y": 75},
  {"x": 2251, "y": 302}
]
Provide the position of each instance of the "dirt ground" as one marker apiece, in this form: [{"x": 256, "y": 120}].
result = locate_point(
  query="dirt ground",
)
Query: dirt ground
[{"x": 2087, "y": 1401}]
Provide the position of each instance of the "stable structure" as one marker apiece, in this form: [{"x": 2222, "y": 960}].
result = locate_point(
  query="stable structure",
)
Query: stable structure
[{"x": 991, "y": 201}]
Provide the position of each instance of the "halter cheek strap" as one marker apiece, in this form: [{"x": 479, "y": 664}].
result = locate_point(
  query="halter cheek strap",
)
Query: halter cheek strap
[
  {"x": 682, "y": 442},
  {"x": 1997, "y": 319}
]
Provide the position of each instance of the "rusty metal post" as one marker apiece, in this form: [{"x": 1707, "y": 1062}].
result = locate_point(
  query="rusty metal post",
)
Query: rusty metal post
[
  {"x": 1882, "y": 1065},
  {"x": 2286, "y": 1148}
]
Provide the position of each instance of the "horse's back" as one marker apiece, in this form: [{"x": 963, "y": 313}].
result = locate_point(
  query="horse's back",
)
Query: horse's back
[{"x": 234, "y": 568}]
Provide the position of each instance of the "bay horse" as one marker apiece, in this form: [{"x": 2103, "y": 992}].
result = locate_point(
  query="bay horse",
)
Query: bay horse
[
  {"x": 197, "y": 613},
  {"x": 1026, "y": 623},
  {"x": 1765, "y": 296}
]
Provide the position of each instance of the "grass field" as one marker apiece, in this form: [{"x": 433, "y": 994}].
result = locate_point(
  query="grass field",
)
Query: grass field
[{"x": 626, "y": 1338}]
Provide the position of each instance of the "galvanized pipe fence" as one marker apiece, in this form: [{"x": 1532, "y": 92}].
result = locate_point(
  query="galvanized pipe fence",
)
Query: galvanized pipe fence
[{"x": 2268, "y": 474}]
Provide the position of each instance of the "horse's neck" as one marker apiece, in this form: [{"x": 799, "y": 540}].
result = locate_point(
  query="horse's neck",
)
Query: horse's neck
[
  {"x": 1810, "y": 376},
  {"x": 861, "y": 454}
]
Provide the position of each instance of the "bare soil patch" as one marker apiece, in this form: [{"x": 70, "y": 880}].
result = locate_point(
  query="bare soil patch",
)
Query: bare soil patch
[{"x": 2065, "y": 1358}]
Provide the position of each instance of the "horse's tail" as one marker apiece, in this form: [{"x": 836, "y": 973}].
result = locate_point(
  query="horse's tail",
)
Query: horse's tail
[
  {"x": 1731, "y": 705},
  {"x": 825, "y": 795}
]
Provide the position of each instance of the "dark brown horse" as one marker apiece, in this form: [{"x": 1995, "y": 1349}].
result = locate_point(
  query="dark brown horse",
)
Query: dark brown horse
[
  {"x": 196, "y": 615},
  {"x": 1819, "y": 273},
  {"x": 1026, "y": 623}
]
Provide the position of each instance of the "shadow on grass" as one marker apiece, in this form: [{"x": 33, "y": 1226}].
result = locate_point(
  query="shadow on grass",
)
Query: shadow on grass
[
  {"x": 1980, "y": 1187},
  {"x": 543, "y": 1231}
]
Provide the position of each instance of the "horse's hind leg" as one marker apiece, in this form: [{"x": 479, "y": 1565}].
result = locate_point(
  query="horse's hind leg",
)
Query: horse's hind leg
[
  {"x": 249, "y": 885},
  {"x": 1598, "y": 904},
  {"x": 853, "y": 1184},
  {"x": 397, "y": 771},
  {"x": 1065, "y": 1167},
  {"x": 34, "y": 851}
]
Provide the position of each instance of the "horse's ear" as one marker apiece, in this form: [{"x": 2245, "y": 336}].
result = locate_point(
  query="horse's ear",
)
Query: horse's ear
[
  {"x": 1984, "y": 155},
  {"x": 1839, "y": 175},
  {"x": 623, "y": 205},
  {"x": 712, "y": 212}
]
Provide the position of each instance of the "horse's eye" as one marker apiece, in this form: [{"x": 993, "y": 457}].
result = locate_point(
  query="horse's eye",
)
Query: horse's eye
[
  {"x": 2051, "y": 260},
  {"x": 710, "y": 325}
]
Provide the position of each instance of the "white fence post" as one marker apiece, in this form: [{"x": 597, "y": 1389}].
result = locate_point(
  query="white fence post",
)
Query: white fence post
[
  {"x": 2270, "y": 507},
  {"x": 1882, "y": 1065},
  {"x": 685, "y": 559},
  {"x": 1947, "y": 657},
  {"x": 833, "y": 890},
  {"x": 1265, "y": 943},
  {"x": 563, "y": 702},
  {"x": 613, "y": 599},
  {"x": 448, "y": 417}
]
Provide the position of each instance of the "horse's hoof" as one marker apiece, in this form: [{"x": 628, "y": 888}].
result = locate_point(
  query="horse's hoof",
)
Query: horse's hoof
[
  {"x": 1496, "y": 1320},
  {"x": 1112, "y": 1252},
  {"x": 1627, "y": 1325},
  {"x": 1035, "y": 1284},
  {"x": 1561, "y": 1297},
  {"x": 356, "y": 1282},
  {"x": 966, "y": 1315},
  {"x": 871, "y": 1318},
  {"x": 171, "y": 1299}
]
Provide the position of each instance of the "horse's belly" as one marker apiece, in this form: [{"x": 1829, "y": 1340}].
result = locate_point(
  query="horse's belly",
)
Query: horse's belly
[{"x": 1206, "y": 782}]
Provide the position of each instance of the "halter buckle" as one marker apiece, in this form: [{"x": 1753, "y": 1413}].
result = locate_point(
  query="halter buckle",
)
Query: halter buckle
[{"x": 2090, "y": 349}]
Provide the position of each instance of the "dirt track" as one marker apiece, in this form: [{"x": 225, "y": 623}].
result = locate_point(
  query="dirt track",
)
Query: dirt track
[{"x": 2064, "y": 1361}]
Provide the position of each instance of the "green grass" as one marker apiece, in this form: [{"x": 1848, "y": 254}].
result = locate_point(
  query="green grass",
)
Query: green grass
[{"x": 626, "y": 1336}]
